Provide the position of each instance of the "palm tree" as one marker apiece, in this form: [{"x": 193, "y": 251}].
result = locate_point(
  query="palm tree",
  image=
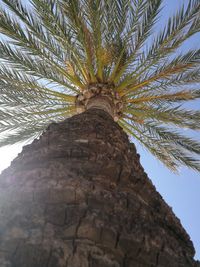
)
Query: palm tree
[{"x": 78, "y": 196}]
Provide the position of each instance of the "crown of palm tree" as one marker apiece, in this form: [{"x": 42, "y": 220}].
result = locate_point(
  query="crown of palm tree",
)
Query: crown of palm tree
[{"x": 54, "y": 51}]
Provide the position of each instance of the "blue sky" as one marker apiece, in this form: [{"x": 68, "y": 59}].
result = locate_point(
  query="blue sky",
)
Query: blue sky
[{"x": 181, "y": 192}]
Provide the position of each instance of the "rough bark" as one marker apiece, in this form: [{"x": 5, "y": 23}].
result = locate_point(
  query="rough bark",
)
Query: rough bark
[{"x": 78, "y": 197}]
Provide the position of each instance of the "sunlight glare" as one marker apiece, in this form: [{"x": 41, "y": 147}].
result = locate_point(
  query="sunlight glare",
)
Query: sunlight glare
[{"x": 7, "y": 154}]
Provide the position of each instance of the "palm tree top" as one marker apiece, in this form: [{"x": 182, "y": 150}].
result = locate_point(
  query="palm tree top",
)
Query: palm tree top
[{"x": 55, "y": 55}]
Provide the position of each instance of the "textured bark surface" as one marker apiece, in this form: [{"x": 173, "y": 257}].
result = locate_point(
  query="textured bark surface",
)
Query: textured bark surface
[{"x": 78, "y": 197}]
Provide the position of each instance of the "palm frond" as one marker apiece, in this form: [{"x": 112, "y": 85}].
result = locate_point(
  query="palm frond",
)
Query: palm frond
[
  {"x": 26, "y": 123},
  {"x": 165, "y": 71},
  {"x": 20, "y": 82},
  {"x": 170, "y": 147},
  {"x": 54, "y": 52},
  {"x": 142, "y": 29},
  {"x": 178, "y": 96},
  {"x": 32, "y": 66},
  {"x": 25, "y": 40},
  {"x": 177, "y": 116}
]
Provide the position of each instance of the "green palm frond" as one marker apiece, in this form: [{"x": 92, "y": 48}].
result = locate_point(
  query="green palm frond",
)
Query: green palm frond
[
  {"x": 179, "y": 64},
  {"x": 177, "y": 116},
  {"x": 167, "y": 145},
  {"x": 143, "y": 23},
  {"x": 184, "y": 24},
  {"x": 51, "y": 52}
]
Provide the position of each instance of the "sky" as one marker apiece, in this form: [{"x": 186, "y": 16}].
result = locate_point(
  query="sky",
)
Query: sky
[{"x": 181, "y": 191}]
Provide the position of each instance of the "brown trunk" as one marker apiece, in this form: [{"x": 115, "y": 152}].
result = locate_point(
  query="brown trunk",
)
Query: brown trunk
[
  {"x": 78, "y": 197},
  {"x": 103, "y": 103}
]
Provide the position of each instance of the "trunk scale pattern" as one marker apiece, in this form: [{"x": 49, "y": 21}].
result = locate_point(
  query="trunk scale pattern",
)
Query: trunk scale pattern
[{"x": 78, "y": 197}]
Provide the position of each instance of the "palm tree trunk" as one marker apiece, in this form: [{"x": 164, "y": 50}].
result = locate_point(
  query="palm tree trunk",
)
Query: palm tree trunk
[{"x": 78, "y": 197}]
